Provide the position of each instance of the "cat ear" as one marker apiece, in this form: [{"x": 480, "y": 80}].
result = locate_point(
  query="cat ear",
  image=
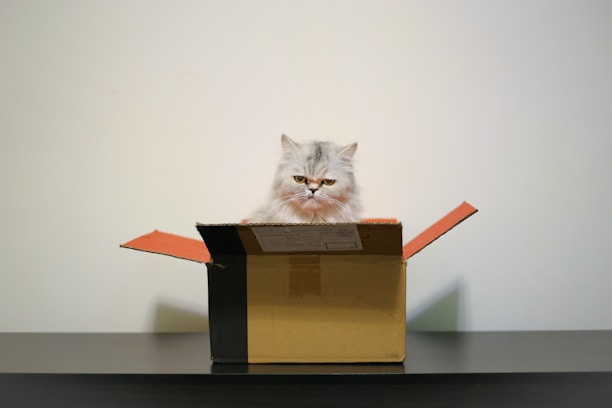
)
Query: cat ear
[
  {"x": 348, "y": 152},
  {"x": 289, "y": 145}
]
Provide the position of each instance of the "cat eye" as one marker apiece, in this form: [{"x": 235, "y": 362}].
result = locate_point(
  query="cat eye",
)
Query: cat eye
[
  {"x": 299, "y": 179},
  {"x": 328, "y": 182}
]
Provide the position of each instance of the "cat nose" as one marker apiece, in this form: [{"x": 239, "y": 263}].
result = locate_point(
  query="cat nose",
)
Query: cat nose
[{"x": 313, "y": 187}]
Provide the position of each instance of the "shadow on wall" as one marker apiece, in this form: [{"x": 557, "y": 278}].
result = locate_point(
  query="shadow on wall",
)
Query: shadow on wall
[
  {"x": 441, "y": 313},
  {"x": 171, "y": 318}
]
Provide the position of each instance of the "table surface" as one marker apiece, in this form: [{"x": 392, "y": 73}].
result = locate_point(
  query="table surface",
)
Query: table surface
[
  {"x": 189, "y": 353},
  {"x": 501, "y": 369}
]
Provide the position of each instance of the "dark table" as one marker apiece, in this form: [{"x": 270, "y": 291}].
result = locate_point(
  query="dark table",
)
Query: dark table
[{"x": 475, "y": 369}]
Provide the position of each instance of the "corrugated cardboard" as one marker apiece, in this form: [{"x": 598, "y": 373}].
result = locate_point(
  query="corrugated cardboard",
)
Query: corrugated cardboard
[
  {"x": 311, "y": 305},
  {"x": 281, "y": 293},
  {"x": 327, "y": 309}
]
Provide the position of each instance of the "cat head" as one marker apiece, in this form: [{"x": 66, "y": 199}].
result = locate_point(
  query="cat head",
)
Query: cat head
[{"x": 316, "y": 177}]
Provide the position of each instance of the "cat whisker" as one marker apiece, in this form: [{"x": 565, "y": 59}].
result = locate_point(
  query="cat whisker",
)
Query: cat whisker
[
  {"x": 284, "y": 200},
  {"x": 335, "y": 202}
]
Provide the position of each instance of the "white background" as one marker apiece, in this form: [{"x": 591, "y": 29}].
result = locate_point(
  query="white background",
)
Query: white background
[{"x": 120, "y": 117}]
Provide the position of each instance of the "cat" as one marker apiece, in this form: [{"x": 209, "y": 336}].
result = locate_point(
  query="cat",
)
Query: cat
[{"x": 314, "y": 183}]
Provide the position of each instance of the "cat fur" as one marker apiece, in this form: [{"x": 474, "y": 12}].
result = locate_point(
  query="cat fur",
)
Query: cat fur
[{"x": 328, "y": 192}]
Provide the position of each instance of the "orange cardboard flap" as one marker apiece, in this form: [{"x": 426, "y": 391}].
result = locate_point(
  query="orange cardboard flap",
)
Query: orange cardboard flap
[
  {"x": 195, "y": 250},
  {"x": 441, "y": 227},
  {"x": 163, "y": 243}
]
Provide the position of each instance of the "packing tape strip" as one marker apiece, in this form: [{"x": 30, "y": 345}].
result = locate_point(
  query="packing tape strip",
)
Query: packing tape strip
[{"x": 304, "y": 275}]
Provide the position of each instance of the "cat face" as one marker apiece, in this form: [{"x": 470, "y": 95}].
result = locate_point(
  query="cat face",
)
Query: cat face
[{"x": 316, "y": 176}]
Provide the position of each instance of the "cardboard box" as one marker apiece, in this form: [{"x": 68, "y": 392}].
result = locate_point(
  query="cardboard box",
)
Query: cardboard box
[{"x": 304, "y": 293}]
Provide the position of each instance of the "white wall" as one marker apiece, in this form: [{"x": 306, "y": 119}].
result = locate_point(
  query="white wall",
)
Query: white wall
[{"x": 120, "y": 117}]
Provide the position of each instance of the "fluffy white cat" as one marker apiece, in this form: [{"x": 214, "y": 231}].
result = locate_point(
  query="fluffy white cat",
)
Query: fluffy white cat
[{"x": 314, "y": 183}]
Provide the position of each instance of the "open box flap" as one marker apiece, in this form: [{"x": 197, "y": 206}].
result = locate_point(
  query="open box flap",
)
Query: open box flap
[
  {"x": 195, "y": 250},
  {"x": 441, "y": 227},
  {"x": 158, "y": 242}
]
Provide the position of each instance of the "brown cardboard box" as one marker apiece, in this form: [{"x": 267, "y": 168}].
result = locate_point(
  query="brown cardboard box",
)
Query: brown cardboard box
[
  {"x": 296, "y": 297},
  {"x": 304, "y": 293}
]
